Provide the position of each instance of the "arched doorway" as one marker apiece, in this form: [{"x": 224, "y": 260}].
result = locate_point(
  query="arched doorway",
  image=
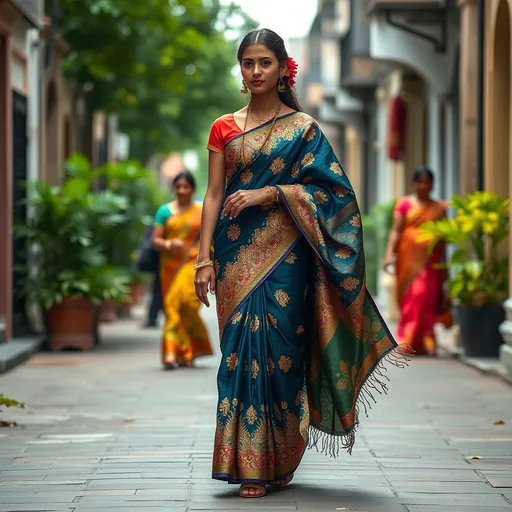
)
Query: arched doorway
[{"x": 498, "y": 94}]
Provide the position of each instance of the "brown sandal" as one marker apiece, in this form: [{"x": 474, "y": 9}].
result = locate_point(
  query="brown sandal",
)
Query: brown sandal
[
  {"x": 283, "y": 481},
  {"x": 261, "y": 491}
]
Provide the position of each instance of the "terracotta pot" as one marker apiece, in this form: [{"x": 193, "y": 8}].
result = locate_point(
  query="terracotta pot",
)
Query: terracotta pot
[
  {"x": 124, "y": 310},
  {"x": 135, "y": 292},
  {"x": 96, "y": 325},
  {"x": 108, "y": 311},
  {"x": 70, "y": 324}
]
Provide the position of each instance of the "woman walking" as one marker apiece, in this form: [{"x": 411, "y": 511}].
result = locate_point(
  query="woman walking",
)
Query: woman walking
[
  {"x": 420, "y": 282},
  {"x": 176, "y": 236},
  {"x": 300, "y": 336}
]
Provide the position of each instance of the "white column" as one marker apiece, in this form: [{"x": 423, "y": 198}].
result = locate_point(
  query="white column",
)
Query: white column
[
  {"x": 468, "y": 77},
  {"x": 34, "y": 91},
  {"x": 384, "y": 178},
  {"x": 434, "y": 147},
  {"x": 34, "y": 103},
  {"x": 451, "y": 156},
  {"x": 506, "y": 348}
]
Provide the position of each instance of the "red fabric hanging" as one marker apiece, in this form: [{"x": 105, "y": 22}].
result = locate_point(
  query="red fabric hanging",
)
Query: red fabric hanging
[{"x": 396, "y": 128}]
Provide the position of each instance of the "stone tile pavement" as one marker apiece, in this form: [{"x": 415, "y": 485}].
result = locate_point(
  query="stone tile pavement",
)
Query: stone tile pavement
[{"x": 109, "y": 430}]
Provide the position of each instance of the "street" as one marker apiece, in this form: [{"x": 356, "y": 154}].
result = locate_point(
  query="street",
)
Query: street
[{"x": 109, "y": 430}]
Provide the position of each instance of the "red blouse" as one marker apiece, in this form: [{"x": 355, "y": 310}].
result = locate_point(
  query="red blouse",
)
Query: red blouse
[
  {"x": 403, "y": 206},
  {"x": 224, "y": 129}
]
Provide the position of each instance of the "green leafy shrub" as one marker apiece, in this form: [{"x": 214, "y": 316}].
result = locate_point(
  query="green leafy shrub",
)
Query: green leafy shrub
[
  {"x": 479, "y": 264},
  {"x": 63, "y": 231}
]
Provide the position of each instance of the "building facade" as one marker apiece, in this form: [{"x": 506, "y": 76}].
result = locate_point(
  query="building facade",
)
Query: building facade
[
  {"x": 429, "y": 55},
  {"x": 420, "y": 41},
  {"x": 59, "y": 107},
  {"x": 20, "y": 77}
]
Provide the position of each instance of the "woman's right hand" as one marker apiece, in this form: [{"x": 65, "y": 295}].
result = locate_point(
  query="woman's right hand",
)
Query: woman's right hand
[
  {"x": 389, "y": 261},
  {"x": 175, "y": 244},
  {"x": 204, "y": 281}
]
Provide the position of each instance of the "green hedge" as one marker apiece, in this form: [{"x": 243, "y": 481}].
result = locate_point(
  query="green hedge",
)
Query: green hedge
[{"x": 376, "y": 227}]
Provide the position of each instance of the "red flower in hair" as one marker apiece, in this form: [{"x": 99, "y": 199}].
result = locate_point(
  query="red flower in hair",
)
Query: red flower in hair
[{"x": 292, "y": 71}]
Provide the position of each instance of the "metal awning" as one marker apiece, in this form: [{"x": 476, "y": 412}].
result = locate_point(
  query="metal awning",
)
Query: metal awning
[
  {"x": 32, "y": 11},
  {"x": 407, "y": 14}
]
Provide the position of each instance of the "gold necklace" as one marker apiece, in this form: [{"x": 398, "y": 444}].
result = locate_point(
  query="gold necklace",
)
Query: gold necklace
[
  {"x": 267, "y": 137},
  {"x": 259, "y": 120}
]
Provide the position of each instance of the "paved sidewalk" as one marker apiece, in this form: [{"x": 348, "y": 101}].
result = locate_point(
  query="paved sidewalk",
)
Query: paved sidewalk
[{"x": 109, "y": 430}]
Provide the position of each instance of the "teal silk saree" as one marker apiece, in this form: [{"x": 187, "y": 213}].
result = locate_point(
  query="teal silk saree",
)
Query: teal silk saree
[{"x": 302, "y": 341}]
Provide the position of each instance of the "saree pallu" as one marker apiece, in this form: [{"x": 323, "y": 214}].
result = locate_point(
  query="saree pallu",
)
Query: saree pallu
[
  {"x": 301, "y": 339},
  {"x": 420, "y": 281},
  {"x": 184, "y": 337}
]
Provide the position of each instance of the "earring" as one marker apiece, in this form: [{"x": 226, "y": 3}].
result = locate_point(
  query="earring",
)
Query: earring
[
  {"x": 281, "y": 86},
  {"x": 244, "y": 89}
]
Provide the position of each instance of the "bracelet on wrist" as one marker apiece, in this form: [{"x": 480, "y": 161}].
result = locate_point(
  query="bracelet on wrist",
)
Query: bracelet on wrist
[{"x": 203, "y": 264}]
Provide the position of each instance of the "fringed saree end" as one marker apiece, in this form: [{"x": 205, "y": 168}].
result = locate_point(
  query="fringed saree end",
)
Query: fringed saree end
[{"x": 331, "y": 444}]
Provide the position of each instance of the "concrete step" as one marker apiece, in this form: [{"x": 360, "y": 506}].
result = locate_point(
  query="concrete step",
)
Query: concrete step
[{"x": 18, "y": 351}]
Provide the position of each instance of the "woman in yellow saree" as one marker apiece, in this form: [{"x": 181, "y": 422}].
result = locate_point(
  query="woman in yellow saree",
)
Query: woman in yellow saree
[
  {"x": 420, "y": 281},
  {"x": 301, "y": 339},
  {"x": 176, "y": 236}
]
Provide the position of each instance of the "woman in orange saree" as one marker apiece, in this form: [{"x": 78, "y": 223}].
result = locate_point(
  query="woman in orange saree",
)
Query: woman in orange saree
[
  {"x": 176, "y": 236},
  {"x": 420, "y": 281}
]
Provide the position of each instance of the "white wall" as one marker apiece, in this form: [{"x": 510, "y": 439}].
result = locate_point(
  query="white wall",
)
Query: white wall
[
  {"x": 331, "y": 65},
  {"x": 384, "y": 176}
]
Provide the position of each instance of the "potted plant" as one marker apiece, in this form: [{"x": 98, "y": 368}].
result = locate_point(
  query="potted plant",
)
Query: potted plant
[
  {"x": 130, "y": 199},
  {"x": 72, "y": 274},
  {"x": 478, "y": 283},
  {"x": 132, "y": 181}
]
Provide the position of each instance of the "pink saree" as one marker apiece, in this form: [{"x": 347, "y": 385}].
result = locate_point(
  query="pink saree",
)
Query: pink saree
[{"x": 419, "y": 282}]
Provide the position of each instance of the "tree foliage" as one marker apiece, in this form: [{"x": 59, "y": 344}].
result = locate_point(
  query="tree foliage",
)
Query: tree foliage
[{"x": 163, "y": 65}]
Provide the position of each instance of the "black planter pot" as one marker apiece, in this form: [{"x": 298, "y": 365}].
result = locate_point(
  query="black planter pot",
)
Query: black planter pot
[{"x": 479, "y": 332}]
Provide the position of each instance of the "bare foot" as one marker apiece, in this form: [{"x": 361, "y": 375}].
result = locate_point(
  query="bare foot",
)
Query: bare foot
[
  {"x": 170, "y": 364},
  {"x": 252, "y": 491}
]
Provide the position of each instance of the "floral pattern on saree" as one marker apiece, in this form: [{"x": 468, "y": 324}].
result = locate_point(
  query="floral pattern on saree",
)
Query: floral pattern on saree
[{"x": 260, "y": 440}]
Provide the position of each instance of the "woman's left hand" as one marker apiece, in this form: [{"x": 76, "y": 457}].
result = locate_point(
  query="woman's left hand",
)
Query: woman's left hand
[{"x": 242, "y": 199}]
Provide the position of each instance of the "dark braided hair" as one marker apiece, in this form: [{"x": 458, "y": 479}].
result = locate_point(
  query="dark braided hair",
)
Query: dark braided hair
[{"x": 275, "y": 44}]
